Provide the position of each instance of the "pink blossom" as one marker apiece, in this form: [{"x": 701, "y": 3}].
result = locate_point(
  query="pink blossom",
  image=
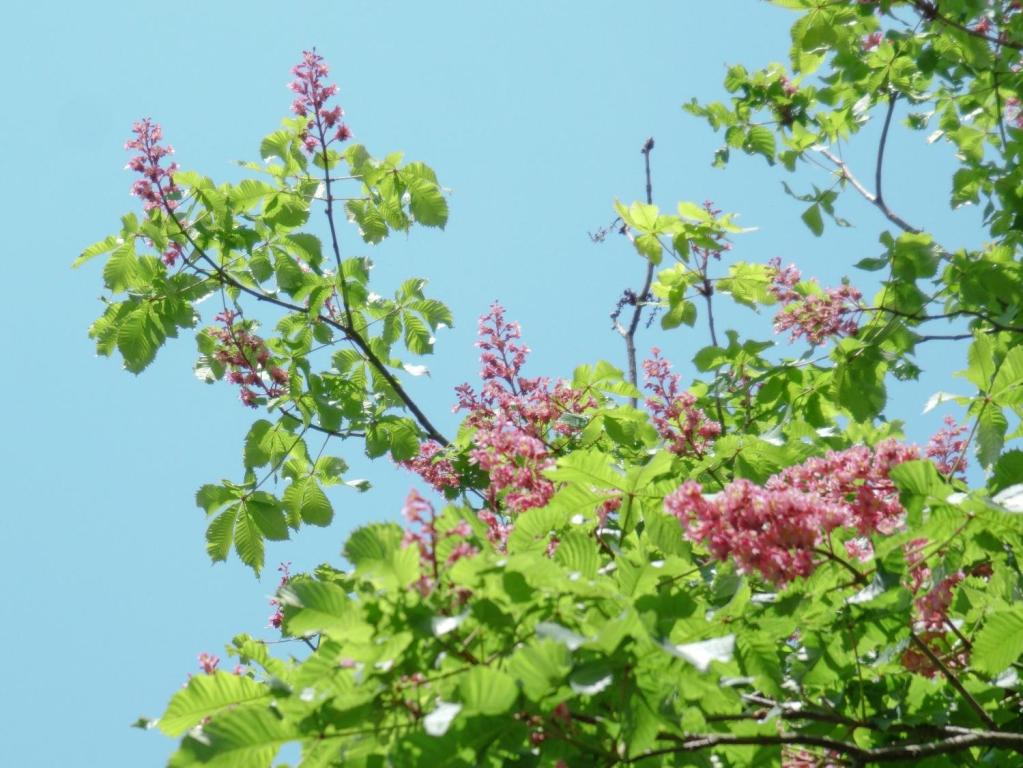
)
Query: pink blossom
[
  {"x": 871, "y": 41},
  {"x": 948, "y": 450},
  {"x": 933, "y": 606},
  {"x": 818, "y": 316},
  {"x": 208, "y": 662},
  {"x": 425, "y": 536},
  {"x": 247, "y": 359},
  {"x": 777, "y": 529},
  {"x": 515, "y": 418},
  {"x": 860, "y": 549},
  {"x": 156, "y": 188},
  {"x": 433, "y": 466},
  {"x": 684, "y": 427},
  {"x": 277, "y": 617},
  {"x": 856, "y": 478},
  {"x": 311, "y": 97}
]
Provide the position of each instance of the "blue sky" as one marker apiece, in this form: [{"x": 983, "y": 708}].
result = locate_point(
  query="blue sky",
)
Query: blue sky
[{"x": 532, "y": 113}]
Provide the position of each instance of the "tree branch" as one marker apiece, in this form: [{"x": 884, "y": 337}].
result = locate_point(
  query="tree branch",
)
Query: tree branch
[
  {"x": 350, "y": 333},
  {"x": 847, "y": 175},
  {"x": 930, "y": 12},
  {"x": 640, "y": 298},
  {"x": 901, "y": 752},
  {"x": 955, "y": 683}
]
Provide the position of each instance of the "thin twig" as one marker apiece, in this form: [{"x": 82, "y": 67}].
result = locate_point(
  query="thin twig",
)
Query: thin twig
[
  {"x": 846, "y": 174},
  {"x": 640, "y": 298}
]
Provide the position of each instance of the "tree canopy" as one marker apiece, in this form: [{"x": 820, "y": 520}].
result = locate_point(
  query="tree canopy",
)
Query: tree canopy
[{"x": 753, "y": 567}]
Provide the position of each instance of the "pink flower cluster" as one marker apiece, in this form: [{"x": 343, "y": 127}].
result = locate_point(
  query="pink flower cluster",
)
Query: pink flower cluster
[
  {"x": 817, "y": 317},
  {"x": 776, "y": 530},
  {"x": 311, "y": 101},
  {"x": 948, "y": 450},
  {"x": 248, "y": 360},
  {"x": 684, "y": 427},
  {"x": 157, "y": 183},
  {"x": 515, "y": 417},
  {"x": 1013, "y": 112},
  {"x": 208, "y": 663},
  {"x": 871, "y": 41},
  {"x": 420, "y": 513},
  {"x": 277, "y": 618},
  {"x": 432, "y": 465},
  {"x": 932, "y": 601},
  {"x": 156, "y": 188}
]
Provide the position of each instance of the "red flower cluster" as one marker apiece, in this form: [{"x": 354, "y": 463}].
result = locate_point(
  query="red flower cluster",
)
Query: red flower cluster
[
  {"x": 777, "y": 529},
  {"x": 684, "y": 427},
  {"x": 311, "y": 101},
  {"x": 248, "y": 359},
  {"x": 948, "y": 450},
  {"x": 278, "y": 615},
  {"x": 419, "y": 512},
  {"x": 817, "y": 317}
]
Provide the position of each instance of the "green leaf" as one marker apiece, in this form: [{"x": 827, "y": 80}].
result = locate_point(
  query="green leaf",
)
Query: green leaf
[
  {"x": 1007, "y": 388},
  {"x": 488, "y": 691},
  {"x": 305, "y": 499},
  {"x": 427, "y": 203},
  {"x": 248, "y": 541},
  {"x": 207, "y": 695},
  {"x": 991, "y": 428},
  {"x": 540, "y": 667},
  {"x": 684, "y": 312},
  {"x": 220, "y": 534},
  {"x": 1007, "y": 471},
  {"x": 367, "y": 217},
  {"x": 999, "y": 642},
  {"x": 139, "y": 337},
  {"x": 213, "y": 497},
  {"x": 760, "y": 140},
  {"x": 315, "y": 606},
  {"x": 255, "y": 454},
  {"x": 578, "y": 553},
  {"x": 248, "y": 737},
  {"x": 859, "y": 385},
  {"x": 981, "y": 359},
  {"x": 105, "y": 245},
  {"x": 267, "y": 514},
  {"x": 812, "y": 218},
  {"x": 373, "y": 542},
  {"x": 124, "y": 270},
  {"x": 418, "y": 338}
]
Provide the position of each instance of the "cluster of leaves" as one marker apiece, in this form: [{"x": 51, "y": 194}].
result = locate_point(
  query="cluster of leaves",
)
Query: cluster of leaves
[{"x": 603, "y": 621}]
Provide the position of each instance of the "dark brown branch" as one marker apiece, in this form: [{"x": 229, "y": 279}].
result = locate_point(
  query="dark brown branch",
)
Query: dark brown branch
[
  {"x": 929, "y": 10},
  {"x": 902, "y": 752},
  {"x": 334, "y": 242},
  {"x": 846, "y": 174},
  {"x": 350, "y": 333},
  {"x": 946, "y": 316},
  {"x": 644, "y": 293},
  {"x": 955, "y": 682},
  {"x": 878, "y": 195}
]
